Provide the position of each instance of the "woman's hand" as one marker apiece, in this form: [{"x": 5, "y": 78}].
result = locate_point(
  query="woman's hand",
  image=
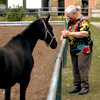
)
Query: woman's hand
[{"x": 65, "y": 34}]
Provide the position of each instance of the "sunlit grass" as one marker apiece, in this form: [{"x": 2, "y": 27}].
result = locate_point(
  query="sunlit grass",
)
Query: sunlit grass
[
  {"x": 2, "y": 19},
  {"x": 94, "y": 19},
  {"x": 29, "y": 18},
  {"x": 57, "y": 18}
]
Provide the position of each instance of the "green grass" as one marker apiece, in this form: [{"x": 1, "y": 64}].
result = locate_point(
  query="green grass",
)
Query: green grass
[
  {"x": 94, "y": 75},
  {"x": 57, "y": 19},
  {"x": 3, "y": 19},
  {"x": 33, "y": 18},
  {"x": 94, "y": 19},
  {"x": 30, "y": 18},
  {"x": 61, "y": 18}
]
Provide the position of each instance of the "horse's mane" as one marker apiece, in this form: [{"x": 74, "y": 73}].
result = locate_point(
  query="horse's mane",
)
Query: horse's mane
[
  {"x": 32, "y": 26},
  {"x": 27, "y": 32},
  {"x": 21, "y": 35}
]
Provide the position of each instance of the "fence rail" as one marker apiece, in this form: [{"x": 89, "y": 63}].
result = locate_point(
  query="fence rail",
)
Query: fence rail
[
  {"x": 55, "y": 86},
  {"x": 59, "y": 13}
]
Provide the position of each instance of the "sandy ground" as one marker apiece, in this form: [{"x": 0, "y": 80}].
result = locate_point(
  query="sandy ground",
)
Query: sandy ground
[{"x": 44, "y": 58}]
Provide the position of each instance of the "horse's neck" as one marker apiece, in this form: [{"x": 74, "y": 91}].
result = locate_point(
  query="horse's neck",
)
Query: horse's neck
[
  {"x": 31, "y": 37},
  {"x": 31, "y": 42}
]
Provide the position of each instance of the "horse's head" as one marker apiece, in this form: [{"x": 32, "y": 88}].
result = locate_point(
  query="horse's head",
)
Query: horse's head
[{"x": 48, "y": 35}]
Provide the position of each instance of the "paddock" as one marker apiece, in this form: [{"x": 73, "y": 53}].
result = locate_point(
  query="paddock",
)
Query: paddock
[{"x": 44, "y": 59}]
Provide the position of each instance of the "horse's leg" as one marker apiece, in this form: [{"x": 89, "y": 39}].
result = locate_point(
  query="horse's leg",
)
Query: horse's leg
[
  {"x": 23, "y": 86},
  {"x": 7, "y": 93}
]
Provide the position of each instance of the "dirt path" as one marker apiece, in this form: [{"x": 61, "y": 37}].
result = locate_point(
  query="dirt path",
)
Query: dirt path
[{"x": 44, "y": 58}]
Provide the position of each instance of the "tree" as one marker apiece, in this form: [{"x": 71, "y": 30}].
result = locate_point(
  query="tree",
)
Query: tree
[{"x": 3, "y": 1}]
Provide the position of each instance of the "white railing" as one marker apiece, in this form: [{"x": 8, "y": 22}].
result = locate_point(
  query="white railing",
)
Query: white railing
[{"x": 55, "y": 86}]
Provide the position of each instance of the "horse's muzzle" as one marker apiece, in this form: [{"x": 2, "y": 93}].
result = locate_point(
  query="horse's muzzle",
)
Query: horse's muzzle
[{"x": 54, "y": 44}]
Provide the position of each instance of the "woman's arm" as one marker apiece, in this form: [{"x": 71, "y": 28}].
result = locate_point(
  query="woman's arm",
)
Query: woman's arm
[{"x": 80, "y": 34}]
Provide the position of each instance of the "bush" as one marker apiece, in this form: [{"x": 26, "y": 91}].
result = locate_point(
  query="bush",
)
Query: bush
[{"x": 15, "y": 14}]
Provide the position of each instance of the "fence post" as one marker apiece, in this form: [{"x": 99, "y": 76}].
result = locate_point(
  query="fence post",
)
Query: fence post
[
  {"x": 39, "y": 12},
  {"x": 64, "y": 62},
  {"x": 59, "y": 88},
  {"x": 65, "y": 54}
]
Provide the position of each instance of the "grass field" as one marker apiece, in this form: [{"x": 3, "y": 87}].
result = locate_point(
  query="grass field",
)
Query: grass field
[
  {"x": 94, "y": 19},
  {"x": 94, "y": 75},
  {"x": 61, "y": 18}
]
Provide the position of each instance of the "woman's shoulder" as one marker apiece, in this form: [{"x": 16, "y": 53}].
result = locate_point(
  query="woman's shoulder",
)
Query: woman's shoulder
[{"x": 83, "y": 19}]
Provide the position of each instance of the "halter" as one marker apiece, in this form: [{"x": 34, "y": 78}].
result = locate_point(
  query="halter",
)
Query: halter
[{"x": 46, "y": 31}]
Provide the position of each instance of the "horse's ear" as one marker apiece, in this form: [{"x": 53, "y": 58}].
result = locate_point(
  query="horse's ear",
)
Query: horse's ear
[{"x": 47, "y": 19}]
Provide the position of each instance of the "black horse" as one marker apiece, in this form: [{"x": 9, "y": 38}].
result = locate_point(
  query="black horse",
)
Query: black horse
[{"x": 16, "y": 61}]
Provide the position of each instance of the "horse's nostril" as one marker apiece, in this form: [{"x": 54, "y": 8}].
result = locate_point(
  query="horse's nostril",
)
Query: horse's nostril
[{"x": 54, "y": 45}]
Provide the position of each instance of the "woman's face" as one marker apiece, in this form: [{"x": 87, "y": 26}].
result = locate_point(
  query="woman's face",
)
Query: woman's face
[{"x": 71, "y": 16}]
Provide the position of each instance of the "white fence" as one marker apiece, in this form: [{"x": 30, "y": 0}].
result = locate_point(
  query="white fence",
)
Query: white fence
[{"x": 55, "y": 86}]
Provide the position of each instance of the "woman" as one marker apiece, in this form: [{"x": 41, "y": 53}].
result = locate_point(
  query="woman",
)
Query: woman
[{"x": 78, "y": 33}]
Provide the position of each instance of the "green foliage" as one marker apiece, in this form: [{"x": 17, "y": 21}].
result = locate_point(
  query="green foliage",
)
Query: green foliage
[
  {"x": 15, "y": 14},
  {"x": 2, "y": 1}
]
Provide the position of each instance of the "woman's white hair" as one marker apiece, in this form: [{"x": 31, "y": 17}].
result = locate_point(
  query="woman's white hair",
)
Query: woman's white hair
[{"x": 71, "y": 9}]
